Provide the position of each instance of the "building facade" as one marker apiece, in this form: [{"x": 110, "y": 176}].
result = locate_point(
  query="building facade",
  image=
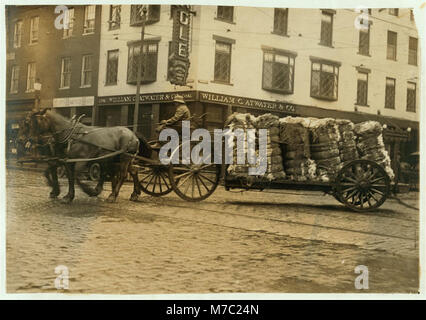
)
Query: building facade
[{"x": 51, "y": 66}]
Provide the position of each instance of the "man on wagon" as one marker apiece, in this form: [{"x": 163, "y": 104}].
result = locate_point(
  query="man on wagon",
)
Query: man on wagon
[{"x": 182, "y": 113}]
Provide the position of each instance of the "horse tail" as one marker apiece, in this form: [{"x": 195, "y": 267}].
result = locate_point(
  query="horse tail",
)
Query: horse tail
[{"x": 145, "y": 149}]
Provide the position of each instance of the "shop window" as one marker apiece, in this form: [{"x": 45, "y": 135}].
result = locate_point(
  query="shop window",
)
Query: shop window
[
  {"x": 89, "y": 19},
  {"x": 14, "y": 79},
  {"x": 280, "y": 21},
  {"x": 68, "y": 23},
  {"x": 114, "y": 17},
  {"x": 362, "y": 89},
  {"x": 225, "y": 13},
  {"x": 222, "y": 62},
  {"x": 391, "y": 48},
  {"x": 148, "y": 64},
  {"x": 278, "y": 71},
  {"x": 65, "y": 112},
  {"x": 31, "y": 76},
  {"x": 393, "y": 12},
  {"x": 17, "y": 35},
  {"x": 364, "y": 41},
  {"x": 86, "y": 71},
  {"x": 65, "y": 73},
  {"x": 34, "y": 28},
  {"x": 324, "y": 79},
  {"x": 326, "y": 28},
  {"x": 112, "y": 67},
  {"x": 152, "y": 15},
  {"x": 390, "y": 93},
  {"x": 411, "y": 97},
  {"x": 215, "y": 116},
  {"x": 412, "y": 51}
]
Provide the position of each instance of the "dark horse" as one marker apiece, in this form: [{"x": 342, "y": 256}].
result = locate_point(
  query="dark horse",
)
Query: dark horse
[{"x": 114, "y": 147}]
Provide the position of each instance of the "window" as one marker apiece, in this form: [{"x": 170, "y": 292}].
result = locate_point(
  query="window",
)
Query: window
[
  {"x": 152, "y": 15},
  {"x": 411, "y": 97},
  {"x": 68, "y": 23},
  {"x": 390, "y": 93},
  {"x": 225, "y": 13},
  {"x": 149, "y": 62},
  {"x": 34, "y": 30},
  {"x": 324, "y": 79},
  {"x": 278, "y": 71},
  {"x": 280, "y": 21},
  {"x": 17, "y": 35},
  {"x": 326, "y": 28},
  {"x": 391, "y": 49},
  {"x": 86, "y": 71},
  {"x": 14, "y": 79},
  {"x": 31, "y": 74},
  {"x": 114, "y": 17},
  {"x": 112, "y": 67},
  {"x": 362, "y": 89},
  {"x": 222, "y": 62},
  {"x": 364, "y": 41},
  {"x": 89, "y": 19},
  {"x": 394, "y": 12},
  {"x": 65, "y": 73},
  {"x": 412, "y": 51}
]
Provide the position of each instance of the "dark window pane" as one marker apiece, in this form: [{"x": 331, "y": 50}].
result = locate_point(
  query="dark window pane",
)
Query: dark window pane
[
  {"x": 412, "y": 51},
  {"x": 280, "y": 21},
  {"x": 225, "y": 13},
  {"x": 222, "y": 65},
  {"x": 326, "y": 29},
  {"x": 391, "y": 48},
  {"x": 364, "y": 41},
  {"x": 411, "y": 97},
  {"x": 390, "y": 93}
]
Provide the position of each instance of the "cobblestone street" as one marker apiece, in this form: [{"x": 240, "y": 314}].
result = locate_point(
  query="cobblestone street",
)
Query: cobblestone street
[{"x": 232, "y": 242}]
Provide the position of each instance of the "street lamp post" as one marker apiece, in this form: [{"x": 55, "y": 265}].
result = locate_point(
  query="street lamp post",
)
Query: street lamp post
[{"x": 139, "y": 71}]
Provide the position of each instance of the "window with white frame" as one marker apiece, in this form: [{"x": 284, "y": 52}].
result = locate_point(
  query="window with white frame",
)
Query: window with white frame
[
  {"x": 114, "y": 17},
  {"x": 31, "y": 76},
  {"x": 17, "y": 35},
  {"x": 278, "y": 71},
  {"x": 411, "y": 96},
  {"x": 222, "y": 62},
  {"x": 152, "y": 15},
  {"x": 68, "y": 23},
  {"x": 391, "y": 47},
  {"x": 412, "y": 51},
  {"x": 280, "y": 21},
  {"x": 65, "y": 73},
  {"x": 34, "y": 28},
  {"x": 86, "y": 71},
  {"x": 327, "y": 28},
  {"x": 112, "y": 67},
  {"x": 14, "y": 79},
  {"x": 324, "y": 79},
  {"x": 390, "y": 93},
  {"x": 362, "y": 89},
  {"x": 89, "y": 19},
  {"x": 225, "y": 13},
  {"x": 148, "y": 64},
  {"x": 364, "y": 40}
]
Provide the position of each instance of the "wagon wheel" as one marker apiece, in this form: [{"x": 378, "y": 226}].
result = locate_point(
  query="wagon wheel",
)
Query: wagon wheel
[
  {"x": 154, "y": 180},
  {"x": 194, "y": 182},
  {"x": 95, "y": 171},
  {"x": 362, "y": 185}
]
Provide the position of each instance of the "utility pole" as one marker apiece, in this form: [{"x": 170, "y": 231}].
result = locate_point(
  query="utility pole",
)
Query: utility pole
[{"x": 139, "y": 75}]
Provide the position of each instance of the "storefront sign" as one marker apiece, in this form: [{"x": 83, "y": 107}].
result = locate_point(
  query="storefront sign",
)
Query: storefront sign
[
  {"x": 146, "y": 98},
  {"x": 179, "y": 57},
  {"x": 73, "y": 102},
  {"x": 247, "y": 102}
]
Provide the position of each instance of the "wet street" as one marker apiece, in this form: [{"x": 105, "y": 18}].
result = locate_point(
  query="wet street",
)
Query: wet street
[{"x": 278, "y": 242}]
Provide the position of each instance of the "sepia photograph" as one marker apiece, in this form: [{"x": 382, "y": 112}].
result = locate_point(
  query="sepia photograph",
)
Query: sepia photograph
[{"x": 211, "y": 149}]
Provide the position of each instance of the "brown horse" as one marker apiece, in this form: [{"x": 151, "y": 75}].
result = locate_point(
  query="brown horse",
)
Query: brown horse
[{"x": 113, "y": 147}]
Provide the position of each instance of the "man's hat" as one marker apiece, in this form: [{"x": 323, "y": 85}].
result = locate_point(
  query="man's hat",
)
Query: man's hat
[{"x": 178, "y": 98}]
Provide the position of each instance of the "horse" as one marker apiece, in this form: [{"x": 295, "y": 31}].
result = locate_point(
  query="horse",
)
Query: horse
[{"x": 115, "y": 147}]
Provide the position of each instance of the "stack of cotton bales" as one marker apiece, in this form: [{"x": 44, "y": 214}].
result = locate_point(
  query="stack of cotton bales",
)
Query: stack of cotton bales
[
  {"x": 242, "y": 121},
  {"x": 274, "y": 160},
  {"x": 370, "y": 144},
  {"x": 347, "y": 143},
  {"x": 294, "y": 134},
  {"x": 325, "y": 147}
]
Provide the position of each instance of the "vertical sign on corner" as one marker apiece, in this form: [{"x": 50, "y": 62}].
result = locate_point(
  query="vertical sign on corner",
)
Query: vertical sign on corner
[{"x": 179, "y": 53}]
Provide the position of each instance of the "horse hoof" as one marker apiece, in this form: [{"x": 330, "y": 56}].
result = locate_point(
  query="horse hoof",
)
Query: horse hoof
[
  {"x": 53, "y": 196},
  {"x": 66, "y": 199},
  {"x": 111, "y": 199},
  {"x": 134, "y": 197}
]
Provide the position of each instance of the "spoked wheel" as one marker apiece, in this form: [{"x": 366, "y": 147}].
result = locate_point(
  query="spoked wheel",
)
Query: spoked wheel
[
  {"x": 194, "y": 182},
  {"x": 154, "y": 180},
  {"x": 362, "y": 185}
]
